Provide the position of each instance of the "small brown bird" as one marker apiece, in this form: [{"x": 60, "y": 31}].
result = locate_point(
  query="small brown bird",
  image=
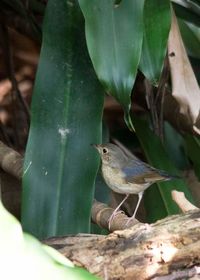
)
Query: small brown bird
[{"x": 127, "y": 175}]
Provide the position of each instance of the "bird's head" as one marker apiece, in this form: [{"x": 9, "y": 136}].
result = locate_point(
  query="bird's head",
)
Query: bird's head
[{"x": 111, "y": 155}]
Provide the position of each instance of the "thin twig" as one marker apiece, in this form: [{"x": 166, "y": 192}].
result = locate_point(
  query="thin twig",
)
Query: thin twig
[
  {"x": 182, "y": 202},
  {"x": 159, "y": 100},
  {"x": 11, "y": 161},
  {"x": 151, "y": 105}
]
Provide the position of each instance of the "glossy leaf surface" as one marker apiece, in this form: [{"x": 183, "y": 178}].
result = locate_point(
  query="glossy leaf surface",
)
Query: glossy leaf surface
[
  {"x": 60, "y": 164},
  {"x": 114, "y": 38},
  {"x": 191, "y": 38},
  {"x": 157, "y": 21},
  {"x": 30, "y": 259},
  {"x": 175, "y": 149},
  {"x": 187, "y": 14}
]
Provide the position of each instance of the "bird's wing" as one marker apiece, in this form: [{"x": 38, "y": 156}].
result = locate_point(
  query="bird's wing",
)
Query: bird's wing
[{"x": 136, "y": 171}]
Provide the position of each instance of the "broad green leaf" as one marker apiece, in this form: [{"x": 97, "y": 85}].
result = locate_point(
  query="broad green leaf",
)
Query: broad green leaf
[
  {"x": 193, "y": 151},
  {"x": 158, "y": 201},
  {"x": 23, "y": 257},
  {"x": 191, "y": 5},
  {"x": 10, "y": 234},
  {"x": 40, "y": 264},
  {"x": 186, "y": 14},
  {"x": 191, "y": 37},
  {"x": 157, "y": 22},
  {"x": 175, "y": 149},
  {"x": 60, "y": 164},
  {"x": 114, "y": 38}
]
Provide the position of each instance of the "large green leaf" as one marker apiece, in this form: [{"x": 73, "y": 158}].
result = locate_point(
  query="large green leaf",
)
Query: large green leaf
[
  {"x": 60, "y": 165},
  {"x": 114, "y": 38},
  {"x": 191, "y": 37},
  {"x": 29, "y": 258},
  {"x": 190, "y": 5},
  {"x": 157, "y": 22},
  {"x": 175, "y": 149},
  {"x": 158, "y": 200},
  {"x": 187, "y": 14}
]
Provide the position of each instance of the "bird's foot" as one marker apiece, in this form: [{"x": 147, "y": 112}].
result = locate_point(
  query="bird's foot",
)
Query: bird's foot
[
  {"x": 129, "y": 220},
  {"x": 115, "y": 213}
]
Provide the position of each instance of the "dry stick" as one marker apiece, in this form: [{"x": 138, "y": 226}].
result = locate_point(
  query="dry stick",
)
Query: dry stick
[
  {"x": 182, "y": 202},
  {"x": 11, "y": 161},
  {"x": 101, "y": 214}
]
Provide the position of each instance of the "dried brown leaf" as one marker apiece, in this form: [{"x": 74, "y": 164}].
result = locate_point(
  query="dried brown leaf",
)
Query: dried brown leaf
[{"x": 185, "y": 89}]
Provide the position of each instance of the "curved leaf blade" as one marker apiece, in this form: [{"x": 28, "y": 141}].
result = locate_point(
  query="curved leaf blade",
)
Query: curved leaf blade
[
  {"x": 114, "y": 38},
  {"x": 24, "y": 251},
  {"x": 60, "y": 165},
  {"x": 193, "y": 150},
  {"x": 186, "y": 14},
  {"x": 157, "y": 21},
  {"x": 191, "y": 37}
]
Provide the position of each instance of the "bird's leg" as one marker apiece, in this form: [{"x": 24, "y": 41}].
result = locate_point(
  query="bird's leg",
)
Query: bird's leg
[
  {"x": 140, "y": 195},
  {"x": 116, "y": 210}
]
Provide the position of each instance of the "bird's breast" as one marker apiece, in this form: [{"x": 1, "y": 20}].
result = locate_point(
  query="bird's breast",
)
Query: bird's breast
[{"x": 115, "y": 179}]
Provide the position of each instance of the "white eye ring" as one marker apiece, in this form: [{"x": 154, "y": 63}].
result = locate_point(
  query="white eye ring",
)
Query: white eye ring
[{"x": 105, "y": 151}]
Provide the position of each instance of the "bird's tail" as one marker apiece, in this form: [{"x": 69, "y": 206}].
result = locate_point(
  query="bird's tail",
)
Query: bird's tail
[{"x": 168, "y": 176}]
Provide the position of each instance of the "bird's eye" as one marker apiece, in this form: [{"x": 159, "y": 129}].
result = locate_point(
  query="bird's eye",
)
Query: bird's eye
[{"x": 105, "y": 151}]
